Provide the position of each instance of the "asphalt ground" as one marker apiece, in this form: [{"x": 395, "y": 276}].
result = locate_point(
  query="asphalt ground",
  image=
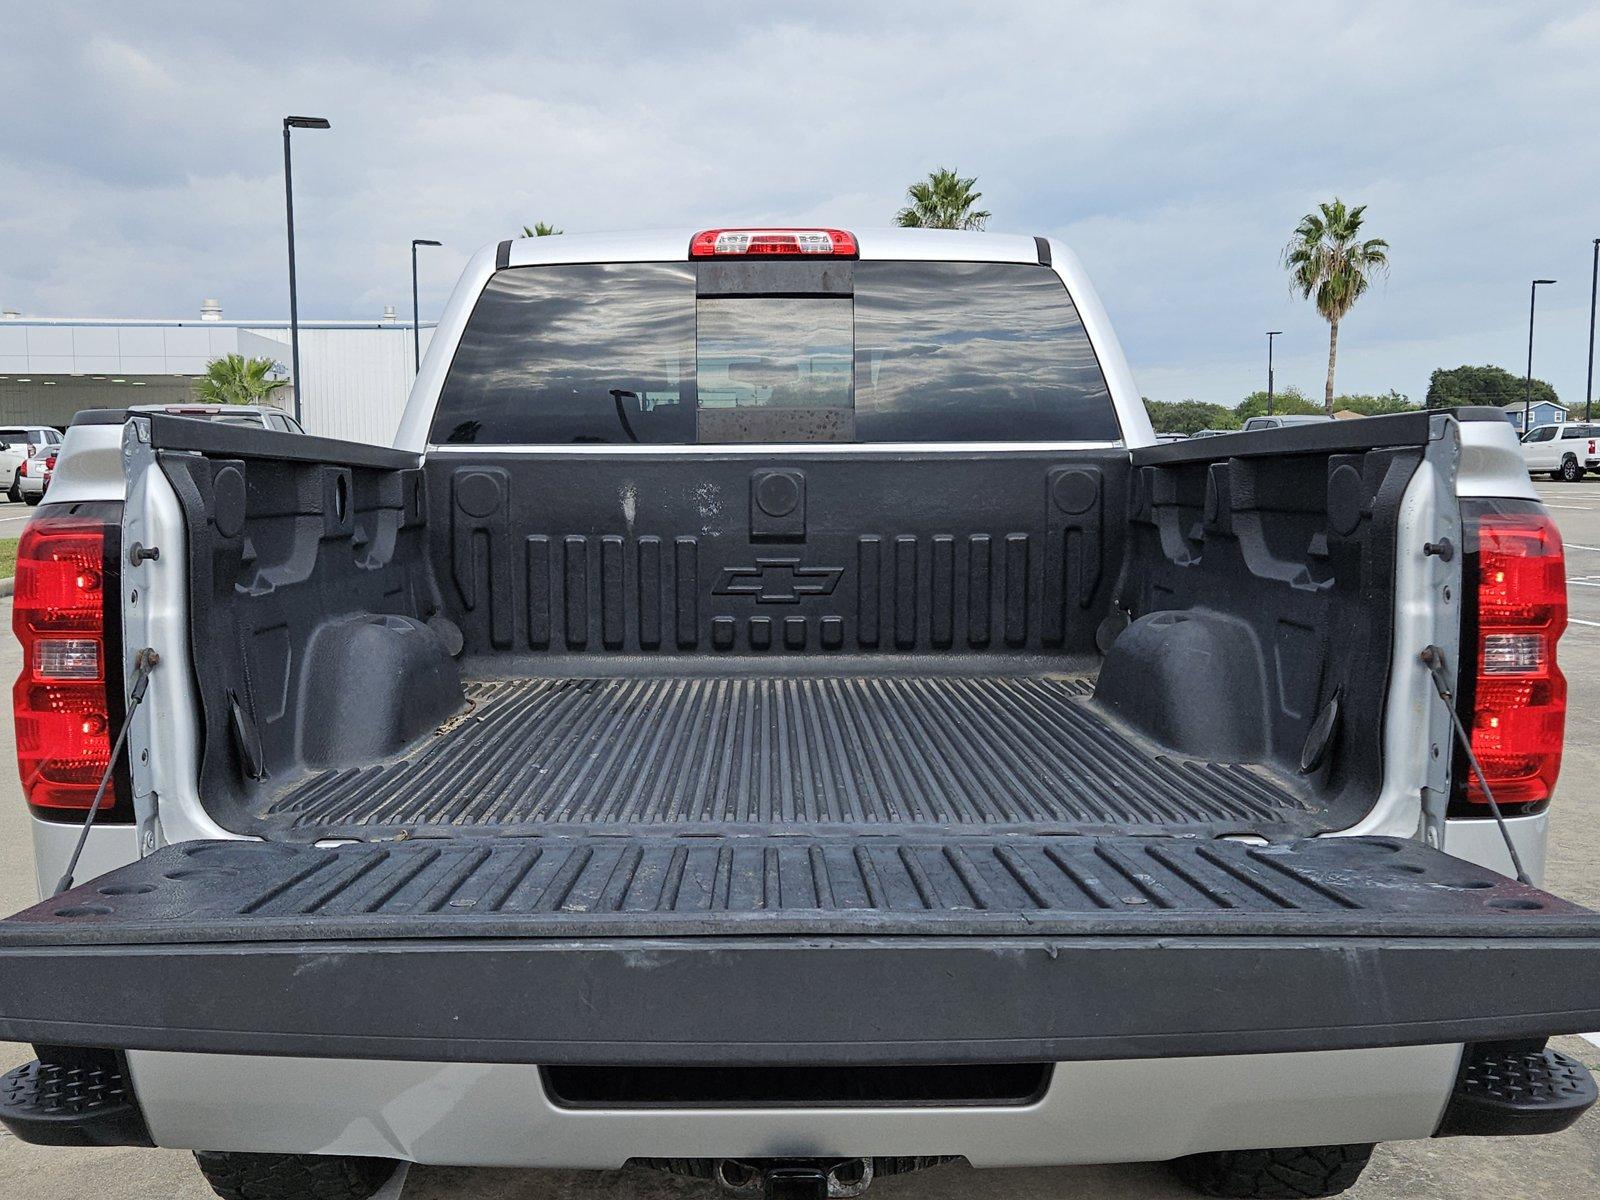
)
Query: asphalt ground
[{"x": 1534, "y": 1168}]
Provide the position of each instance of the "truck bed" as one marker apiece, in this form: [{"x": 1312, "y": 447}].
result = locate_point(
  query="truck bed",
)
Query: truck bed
[{"x": 701, "y": 754}]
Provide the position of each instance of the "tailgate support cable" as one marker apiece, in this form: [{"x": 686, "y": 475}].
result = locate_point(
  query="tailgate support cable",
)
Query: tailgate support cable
[
  {"x": 143, "y": 663},
  {"x": 1433, "y": 658}
]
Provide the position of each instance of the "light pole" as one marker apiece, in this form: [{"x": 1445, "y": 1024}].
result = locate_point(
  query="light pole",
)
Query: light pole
[
  {"x": 1588, "y": 387},
  {"x": 1527, "y": 387},
  {"x": 288, "y": 200},
  {"x": 1271, "y": 333},
  {"x": 416, "y": 328}
]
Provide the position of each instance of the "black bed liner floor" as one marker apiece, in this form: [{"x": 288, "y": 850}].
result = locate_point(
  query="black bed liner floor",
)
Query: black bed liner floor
[{"x": 684, "y": 753}]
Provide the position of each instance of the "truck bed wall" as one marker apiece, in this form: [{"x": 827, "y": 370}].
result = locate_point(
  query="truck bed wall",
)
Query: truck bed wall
[
  {"x": 581, "y": 563},
  {"x": 1261, "y": 588}
]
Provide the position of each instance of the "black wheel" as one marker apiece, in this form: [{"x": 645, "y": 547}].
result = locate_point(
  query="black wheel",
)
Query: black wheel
[
  {"x": 1290, "y": 1174},
  {"x": 292, "y": 1176},
  {"x": 32, "y": 501},
  {"x": 1570, "y": 471},
  {"x": 14, "y": 493}
]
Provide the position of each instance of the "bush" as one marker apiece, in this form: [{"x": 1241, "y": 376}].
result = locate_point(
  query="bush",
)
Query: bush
[
  {"x": 1375, "y": 406},
  {"x": 1291, "y": 402},
  {"x": 1188, "y": 416}
]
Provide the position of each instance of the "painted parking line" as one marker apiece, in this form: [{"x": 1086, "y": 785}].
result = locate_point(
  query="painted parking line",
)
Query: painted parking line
[
  {"x": 1577, "y": 546},
  {"x": 1581, "y": 621},
  {"x": 1593, "y": 1038}
]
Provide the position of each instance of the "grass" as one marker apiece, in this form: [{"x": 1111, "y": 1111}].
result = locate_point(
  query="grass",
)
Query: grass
[{"x": 8, "y": 557}]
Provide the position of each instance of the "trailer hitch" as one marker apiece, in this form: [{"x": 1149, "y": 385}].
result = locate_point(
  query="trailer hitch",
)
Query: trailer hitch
[
  {"x": 794, "y": 1183},
  {"x": 794, "y": 1178}
]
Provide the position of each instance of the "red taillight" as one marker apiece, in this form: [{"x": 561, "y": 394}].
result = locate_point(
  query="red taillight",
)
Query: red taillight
[
  {"x": 62, "y": 701},
  {"x": 22, "y": 468},
  {"x": 1520, "y": 696},
  {"x": 783, "y": 243}
]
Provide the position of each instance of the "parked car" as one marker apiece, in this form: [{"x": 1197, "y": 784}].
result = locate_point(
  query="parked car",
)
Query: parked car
[
  {"x": 1200, "y": 433},
  {"x": 1563, "y": 451},
  {"x": 1283, "y": 421},
  {"x": 780, "y": 740},
  {"x": 18, "y": 444},
  {"x": 33, "y": 476}
]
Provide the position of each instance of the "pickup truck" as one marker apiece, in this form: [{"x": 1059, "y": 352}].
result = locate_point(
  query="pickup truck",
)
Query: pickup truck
[
  {"x": 1563, "y": 451},
  {"x": 777, "y": 715}
]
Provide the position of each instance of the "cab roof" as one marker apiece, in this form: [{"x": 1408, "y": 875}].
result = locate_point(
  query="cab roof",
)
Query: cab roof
[{"x": 672, "y": 245}]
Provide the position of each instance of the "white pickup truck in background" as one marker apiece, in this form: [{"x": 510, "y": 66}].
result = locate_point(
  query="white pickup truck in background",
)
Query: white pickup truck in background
[
  {"x": 777, "y": 715},
  {"x": 1564, "y": 451}
]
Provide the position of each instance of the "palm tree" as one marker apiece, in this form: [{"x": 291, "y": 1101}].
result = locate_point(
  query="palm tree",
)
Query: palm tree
[
  {"x": 943, "y": 201},
  {"x": 541, "y": 229},
  {"x": 235, "y": 379},
  {"x": 1327, "y": 257}
]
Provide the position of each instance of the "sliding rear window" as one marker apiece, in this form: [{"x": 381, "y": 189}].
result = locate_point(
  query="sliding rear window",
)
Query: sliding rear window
[{"x": 673, "y": 353}]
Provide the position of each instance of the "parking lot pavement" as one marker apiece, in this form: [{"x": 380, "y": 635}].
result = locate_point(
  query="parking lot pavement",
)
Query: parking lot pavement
[
  {"x": 13, "y": 516},
  {"x": 1565, "y": 1164}
]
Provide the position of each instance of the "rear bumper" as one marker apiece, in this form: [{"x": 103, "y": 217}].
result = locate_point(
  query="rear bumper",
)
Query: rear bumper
[
  {"x": 514, "y": 1115},
  {"x": 498, "y": 1115}
]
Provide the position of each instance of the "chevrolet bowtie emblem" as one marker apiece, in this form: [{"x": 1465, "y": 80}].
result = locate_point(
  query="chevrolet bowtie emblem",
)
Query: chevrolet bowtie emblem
[{"x": 778, "y": 581}]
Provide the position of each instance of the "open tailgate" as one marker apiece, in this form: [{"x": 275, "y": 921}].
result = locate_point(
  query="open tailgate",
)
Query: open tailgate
[{"x": 631, "y": 949}]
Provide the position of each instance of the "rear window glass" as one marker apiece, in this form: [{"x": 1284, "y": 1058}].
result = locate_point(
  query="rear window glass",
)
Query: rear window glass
[
  {"x": 921, "y": 352},
  {"x": 974, "y": 352},
  {"x": 774, "y": 369}
]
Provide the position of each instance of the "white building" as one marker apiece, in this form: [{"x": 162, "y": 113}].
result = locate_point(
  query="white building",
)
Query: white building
[{"x": 356, "y": 374}]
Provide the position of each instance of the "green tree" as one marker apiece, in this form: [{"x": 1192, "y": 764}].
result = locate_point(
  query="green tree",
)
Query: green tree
[
  {"x": 943, "y": 201},
  {"x": 1188, "y": 416},
  {"x": 541, "y": 229},
  {"x": 1290, "y": 402},
  {"x": 1327, "y": 259},
  {"x": 1465, "y": 385},
  {"x": 235, "y": 379},
  {"x": 1375, "y": 406}
]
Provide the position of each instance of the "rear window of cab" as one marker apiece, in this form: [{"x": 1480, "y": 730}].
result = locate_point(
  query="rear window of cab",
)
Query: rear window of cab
[{"x": 859, "y": 352}]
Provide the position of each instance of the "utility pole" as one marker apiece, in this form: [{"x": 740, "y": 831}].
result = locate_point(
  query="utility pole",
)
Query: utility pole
[
  {"x": 288, "y": 201},
  {"x": 416, "y": 326},
  {"x": 1527, "y": 387},
  {"x": 1588, "y": 387},
  {"x": 1271, "y": 333}
]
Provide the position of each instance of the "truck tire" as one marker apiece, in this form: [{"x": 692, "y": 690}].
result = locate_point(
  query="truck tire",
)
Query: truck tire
[
  {"x": 292, "y": 1176},
  {"x": 1289, "y": 1173},
  {"x": 1570, "y": 471},
  {"x": 13, "y": 493}
]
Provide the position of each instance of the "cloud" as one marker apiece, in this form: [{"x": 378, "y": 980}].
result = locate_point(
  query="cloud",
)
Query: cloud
[{"x": 1173, "y": 145}]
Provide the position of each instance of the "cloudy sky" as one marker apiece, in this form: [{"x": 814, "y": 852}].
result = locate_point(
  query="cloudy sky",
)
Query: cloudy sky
[{"x": 1172, "y": 145}]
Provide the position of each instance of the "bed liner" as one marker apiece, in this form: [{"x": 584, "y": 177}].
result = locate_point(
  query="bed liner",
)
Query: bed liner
[{"x": 1018, "y": 753}]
